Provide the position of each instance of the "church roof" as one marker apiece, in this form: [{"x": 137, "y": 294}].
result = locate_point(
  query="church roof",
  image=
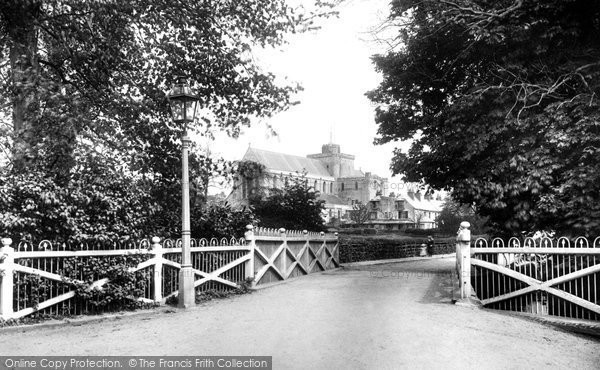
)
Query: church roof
[
  {"x": 285, "y": 162},
  {"x": 423, "y": 204},
  {"x": 353, "y": 173},
  {"x": 332, "y": 199}
]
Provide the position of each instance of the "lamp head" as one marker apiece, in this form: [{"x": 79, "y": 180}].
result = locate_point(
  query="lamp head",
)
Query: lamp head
[{"x": 183, "y": 102}]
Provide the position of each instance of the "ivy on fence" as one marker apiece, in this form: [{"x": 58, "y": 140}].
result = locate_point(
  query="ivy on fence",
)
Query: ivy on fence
[
  {"x": 31, "y": 290},
  {"x": 123, "y": 288}
]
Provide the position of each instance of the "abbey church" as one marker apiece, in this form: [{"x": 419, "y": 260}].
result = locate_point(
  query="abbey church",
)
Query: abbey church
[{"x": 333, "y": 175}]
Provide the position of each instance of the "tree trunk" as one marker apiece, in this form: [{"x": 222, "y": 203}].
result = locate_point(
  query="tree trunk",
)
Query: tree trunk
[{"x": 24, "y": 78}]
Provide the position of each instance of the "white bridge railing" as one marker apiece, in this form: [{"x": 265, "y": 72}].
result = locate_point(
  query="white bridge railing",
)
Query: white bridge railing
[
  {"x": 40, "y": 278},
  {"x": 558, "y": 276}
]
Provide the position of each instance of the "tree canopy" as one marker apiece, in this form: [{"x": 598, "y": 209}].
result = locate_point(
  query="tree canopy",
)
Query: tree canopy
[
  {"x": 360, "y": 213},
  {"x": 295, "y": 207},
  {"x": 453, "y": 214},
  {"x": 83, "y": 103},
  {"x": 501, "y": 101}
]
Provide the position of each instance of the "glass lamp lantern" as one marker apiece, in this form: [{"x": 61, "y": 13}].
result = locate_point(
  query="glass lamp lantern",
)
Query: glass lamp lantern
[{"x": 183, "y": 102}]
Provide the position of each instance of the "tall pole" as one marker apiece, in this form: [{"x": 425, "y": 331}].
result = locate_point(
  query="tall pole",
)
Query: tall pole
[
  {"x": 186, "y": 274},
  {"x": 463, "y": 259}
]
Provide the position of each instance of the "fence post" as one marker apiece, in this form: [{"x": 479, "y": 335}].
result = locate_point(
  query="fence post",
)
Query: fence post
[
  {"x": 302, "y": 259},
  {"x": 324, "y": 245},
  {"x": 283, "y": 253},
  {"x": 249, "y": 236},
  {"x": 158, "y": 267},
  {"x": 463, "y": 259},
  {"x": 6, "y": 279},
  {"x": 336, "y": 248}
]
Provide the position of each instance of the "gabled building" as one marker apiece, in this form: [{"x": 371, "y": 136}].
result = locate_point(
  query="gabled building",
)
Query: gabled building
[
  {"x": 413, "y": 210},
  {"x": 331, "y": 173}
]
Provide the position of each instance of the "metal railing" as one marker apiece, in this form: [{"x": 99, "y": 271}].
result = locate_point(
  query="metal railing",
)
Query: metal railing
[
  {"x": 47, "y": 278},
  {"x": 558, "y": 276}
]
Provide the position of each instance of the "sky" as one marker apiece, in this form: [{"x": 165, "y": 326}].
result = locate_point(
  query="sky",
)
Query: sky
[{"x": 333, "y": 66}]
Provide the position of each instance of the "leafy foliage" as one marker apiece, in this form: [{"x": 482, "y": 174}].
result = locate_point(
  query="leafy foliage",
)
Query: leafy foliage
[
  {"x": 87, "y": 207},
  {"x": 360, "y": 213},
  {"x": 502, "y": 100},
  {"x": 120, "y": 292},
  {"x": 453, "y": 214},
  {"x": 86, "y": 139},
  {"x": 295, "y": 207},
  {"x": 31, "y": 290},
  {"x": 370, "y": 248},
  {"x": 249, "y": 170},
  {"x": 220, "y": 220},
  {"x": 122, "y": 289}
]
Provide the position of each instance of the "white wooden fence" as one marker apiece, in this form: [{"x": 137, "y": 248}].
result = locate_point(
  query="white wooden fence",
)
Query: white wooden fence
[
  {"x": 263, "y": 256},
  {"x": 559, "y": 276},
  {"x": 280, "y": 254}
]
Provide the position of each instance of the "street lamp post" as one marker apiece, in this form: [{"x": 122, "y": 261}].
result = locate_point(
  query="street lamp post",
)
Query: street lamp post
[{"x": 183, "y": 110}]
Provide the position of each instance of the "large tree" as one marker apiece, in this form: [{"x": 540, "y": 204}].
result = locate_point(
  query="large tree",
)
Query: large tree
[
  {"x": 453, "y": 214},
  {"x": 360, "y": 213},
  {"x": 83, "y": 103},
  {"x": 500, "y": 99},
  {"x": 295, "y": 207}
]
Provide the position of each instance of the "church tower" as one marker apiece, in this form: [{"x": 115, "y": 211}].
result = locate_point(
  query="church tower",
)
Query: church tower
[{"x": 337, "y": 163}]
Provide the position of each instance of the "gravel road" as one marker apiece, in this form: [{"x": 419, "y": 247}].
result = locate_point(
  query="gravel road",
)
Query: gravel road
[{"x": 388, "y": 316}]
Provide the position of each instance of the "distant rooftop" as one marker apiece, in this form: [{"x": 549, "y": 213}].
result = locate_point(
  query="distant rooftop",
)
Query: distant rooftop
[
  {"x": 287, "y": 163},
  {"x": 333, "y": 199},
  {"x": 424, "y": 204}
]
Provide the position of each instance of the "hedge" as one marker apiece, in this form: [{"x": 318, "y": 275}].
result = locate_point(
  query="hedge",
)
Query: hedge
[
  {"x": 422, "y": 232},
  {"x": 356, "y": 249}
]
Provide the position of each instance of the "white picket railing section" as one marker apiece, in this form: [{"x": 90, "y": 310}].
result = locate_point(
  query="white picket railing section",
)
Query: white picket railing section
[
  {"x": 263, "y": 256},
  {"x": 559, "y": 276},
  {"x": 283, "y": 254}
]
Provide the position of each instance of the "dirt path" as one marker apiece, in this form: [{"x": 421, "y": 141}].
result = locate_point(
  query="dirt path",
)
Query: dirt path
[{"x": 373, "y": 317}]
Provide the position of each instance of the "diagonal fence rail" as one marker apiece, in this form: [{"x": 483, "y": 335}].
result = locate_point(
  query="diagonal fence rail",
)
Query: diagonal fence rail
[
  {"x": 280, "y": 254},
  {"x": 62, "y": 279},
  {"x": 543, "y": 276}
]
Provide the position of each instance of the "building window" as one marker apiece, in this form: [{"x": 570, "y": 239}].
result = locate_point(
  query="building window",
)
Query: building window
[
  {"x": 324, "y": 187},
  {"x": 331, "y": 187},
  {"x": 355, "y": 185},
  {"x": 342, "y": 186},
  {"x": 405, "y": 214},
  {"x": 315, "y": 185}
]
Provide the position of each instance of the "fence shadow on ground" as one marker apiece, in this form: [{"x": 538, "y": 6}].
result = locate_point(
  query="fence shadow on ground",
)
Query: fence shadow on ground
[{"x": 441, "y": 289}]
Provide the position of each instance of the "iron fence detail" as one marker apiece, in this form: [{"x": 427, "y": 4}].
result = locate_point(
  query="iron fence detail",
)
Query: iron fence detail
[
  {"x": 544, "y": 276},
  {"x": 51, "y": 278}
]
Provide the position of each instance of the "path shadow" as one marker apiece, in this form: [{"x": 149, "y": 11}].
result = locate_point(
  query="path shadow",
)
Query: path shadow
[{"x": 442, "y": 287}]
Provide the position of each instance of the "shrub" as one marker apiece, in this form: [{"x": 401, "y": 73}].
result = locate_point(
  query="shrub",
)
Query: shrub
[
  {"x": 369, "y": 231},
  {"x": 122, "y": 289},
  {"x": 296, "y": 207},
  {"x": 422, "y": 232},
  {"x": 220, "y": 220}
]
